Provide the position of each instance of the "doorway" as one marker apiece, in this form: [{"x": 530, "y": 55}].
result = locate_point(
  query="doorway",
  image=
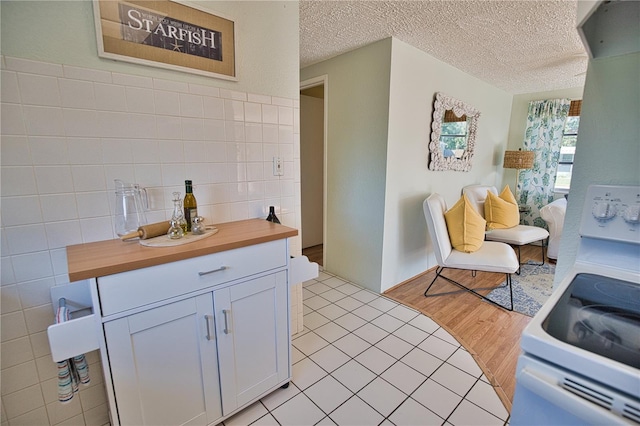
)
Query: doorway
[{"x": 313, "y": 103}]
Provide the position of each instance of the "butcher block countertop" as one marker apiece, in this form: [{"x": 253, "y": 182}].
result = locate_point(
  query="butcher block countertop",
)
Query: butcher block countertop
[{"x": 102, "y": 258}]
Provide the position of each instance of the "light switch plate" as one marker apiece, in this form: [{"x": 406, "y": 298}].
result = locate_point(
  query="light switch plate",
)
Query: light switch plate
[{"x": 278, "y": 168}]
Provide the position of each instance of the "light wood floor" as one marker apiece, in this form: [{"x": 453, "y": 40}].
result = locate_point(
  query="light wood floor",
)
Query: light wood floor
[{"x": 489, "y": 333}]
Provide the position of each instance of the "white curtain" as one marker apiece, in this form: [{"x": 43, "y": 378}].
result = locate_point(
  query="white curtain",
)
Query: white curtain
[{"x": 545, "y": 125}]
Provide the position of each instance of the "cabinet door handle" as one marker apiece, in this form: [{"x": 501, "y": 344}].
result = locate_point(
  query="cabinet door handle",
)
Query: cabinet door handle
[
  {"x": 226, "y": 313},
  {"x": 209, "y": 320},
  {"x": 222, "y": 268}
]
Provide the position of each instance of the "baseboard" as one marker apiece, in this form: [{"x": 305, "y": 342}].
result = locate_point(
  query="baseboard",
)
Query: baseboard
[{"x": 410, "y": 279}]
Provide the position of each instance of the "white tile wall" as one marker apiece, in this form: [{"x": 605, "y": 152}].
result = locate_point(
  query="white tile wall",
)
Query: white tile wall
[{"x": 67, "y": 133}]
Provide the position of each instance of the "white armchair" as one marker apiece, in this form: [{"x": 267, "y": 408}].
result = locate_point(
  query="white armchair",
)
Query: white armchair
[
  {"x": 553, "y": 214},
  {"x": 491, "y": 257},
  {"x": 517, "y": 236}
]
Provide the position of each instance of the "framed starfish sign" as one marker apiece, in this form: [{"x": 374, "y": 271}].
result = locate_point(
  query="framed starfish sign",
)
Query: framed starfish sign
[{"x": 166, "y": 34}]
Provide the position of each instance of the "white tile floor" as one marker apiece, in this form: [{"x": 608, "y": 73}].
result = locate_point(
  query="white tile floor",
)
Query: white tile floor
[{"x": 364, "y": 359}]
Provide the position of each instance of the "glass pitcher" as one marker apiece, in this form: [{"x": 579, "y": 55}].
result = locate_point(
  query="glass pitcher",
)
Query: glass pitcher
[{"x": 131, "y": 202}]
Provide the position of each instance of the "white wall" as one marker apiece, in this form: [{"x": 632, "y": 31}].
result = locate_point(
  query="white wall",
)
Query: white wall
[
  {"x": 63, "y": 32},
  {"x": 358, "y": 96},
  {"x": 608, "y": 149},
  {"x": 72, "y": 122},
  {"x": 415, "y": 78},
  {"x": 380, "y": 108}
]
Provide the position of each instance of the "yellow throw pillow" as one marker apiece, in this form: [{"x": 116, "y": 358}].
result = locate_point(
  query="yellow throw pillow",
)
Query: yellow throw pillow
[
  {"x": 465, "y": 226},
  {"x": 501, "y": 211}
]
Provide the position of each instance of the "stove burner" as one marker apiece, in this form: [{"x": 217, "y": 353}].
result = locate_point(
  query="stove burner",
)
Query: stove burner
[
  {"x": 607, "y": 333},
  {"x": 620, "y": 292},
  {"x": 600, "y": 315},
  {"x": 618, "y": 295}
]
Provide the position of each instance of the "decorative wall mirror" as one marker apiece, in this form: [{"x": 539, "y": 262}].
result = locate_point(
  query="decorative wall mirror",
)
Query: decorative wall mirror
[{"x": 453, "y": 134}]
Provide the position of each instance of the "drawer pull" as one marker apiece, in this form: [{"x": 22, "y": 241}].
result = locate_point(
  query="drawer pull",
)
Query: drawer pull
[
  {"x": 226, "y": 312},
  {"x": 209, "y": 320},
  {"x": 222, "y": 268}
]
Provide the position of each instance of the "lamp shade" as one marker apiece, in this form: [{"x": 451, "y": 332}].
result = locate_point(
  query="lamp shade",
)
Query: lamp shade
[{"x": 518, "y": 159}]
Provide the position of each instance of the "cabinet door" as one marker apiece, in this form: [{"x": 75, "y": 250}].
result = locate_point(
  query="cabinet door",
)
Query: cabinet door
[
  {"x": 164, "y": 364},
  {"x": 252, "y": 320}
]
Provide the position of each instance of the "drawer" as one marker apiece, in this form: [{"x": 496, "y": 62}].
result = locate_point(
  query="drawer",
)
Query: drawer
[
  {"x": 301, "y": 270},
  {"x": 132, "y": 289},
  {"x": 74, "y": 337},
  {"x": 80, "y": 334}
]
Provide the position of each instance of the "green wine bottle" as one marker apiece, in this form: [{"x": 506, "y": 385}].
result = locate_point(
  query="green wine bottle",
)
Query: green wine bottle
[{"x": 190, "y": 205}]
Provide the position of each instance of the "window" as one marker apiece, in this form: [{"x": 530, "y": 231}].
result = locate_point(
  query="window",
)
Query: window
[{"x": 568, "y": 148}]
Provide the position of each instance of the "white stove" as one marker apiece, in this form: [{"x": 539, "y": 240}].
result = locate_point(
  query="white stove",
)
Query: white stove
[{"x": 581, "y": 352}]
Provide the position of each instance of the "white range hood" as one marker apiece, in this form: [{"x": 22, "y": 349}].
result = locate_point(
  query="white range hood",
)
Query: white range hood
[{"x": 609, "y": 28}]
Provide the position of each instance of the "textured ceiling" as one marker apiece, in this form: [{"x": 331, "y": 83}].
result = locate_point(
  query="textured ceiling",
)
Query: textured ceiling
[{"x": 519, "y": 46}]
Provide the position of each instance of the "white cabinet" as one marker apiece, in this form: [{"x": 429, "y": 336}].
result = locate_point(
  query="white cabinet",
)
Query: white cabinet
[
  {"x": 609, "y": 28},
  {"x": 163, "y": 367},
  {"x": 205, "y": 337},
  {"x": 253, "y": 338},
  {"x": 165, "y": 361},
  {"x": 189, "y": 334}
]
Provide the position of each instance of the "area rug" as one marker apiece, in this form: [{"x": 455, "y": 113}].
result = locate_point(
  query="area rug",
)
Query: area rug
[{"x": 530, "y": 289}]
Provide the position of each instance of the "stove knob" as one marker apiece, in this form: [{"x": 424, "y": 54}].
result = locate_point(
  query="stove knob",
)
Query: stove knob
[
  {"x": 603, "y": 211},
  {"x": 582, "y": 330},
  {"x": 632, "y": 215},
  {"x": 608, "y": 339}
]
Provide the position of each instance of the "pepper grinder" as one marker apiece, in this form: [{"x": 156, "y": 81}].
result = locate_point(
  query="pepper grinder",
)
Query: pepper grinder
[{"x": 198, "y": 227}]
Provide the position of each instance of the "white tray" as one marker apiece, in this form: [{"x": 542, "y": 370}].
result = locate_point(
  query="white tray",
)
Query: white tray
[{"x": 164, "y": 241}]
